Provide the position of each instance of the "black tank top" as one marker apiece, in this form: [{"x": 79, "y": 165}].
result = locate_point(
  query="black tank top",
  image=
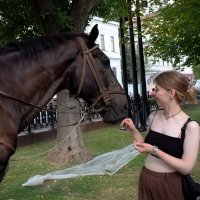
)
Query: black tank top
[{"x": 170, "y": 145}]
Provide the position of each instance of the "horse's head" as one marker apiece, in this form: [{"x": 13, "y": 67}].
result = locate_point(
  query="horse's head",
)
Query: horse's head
[{"x": 96, "y": 82}]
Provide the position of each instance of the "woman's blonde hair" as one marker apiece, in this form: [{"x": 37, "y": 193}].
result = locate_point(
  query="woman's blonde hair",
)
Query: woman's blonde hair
[{"x": 185, "y": 92}]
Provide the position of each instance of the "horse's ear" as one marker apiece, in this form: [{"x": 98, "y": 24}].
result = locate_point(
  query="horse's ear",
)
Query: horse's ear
[{"x": 93, "y": 34}]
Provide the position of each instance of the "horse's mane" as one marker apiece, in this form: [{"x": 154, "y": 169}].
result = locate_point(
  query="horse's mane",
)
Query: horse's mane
[{"x": 31, "y": 47}]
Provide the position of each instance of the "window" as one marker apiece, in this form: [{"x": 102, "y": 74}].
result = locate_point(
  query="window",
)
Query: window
[
  {"x": 102, "y": 40},
  {"x": 112, "y": 43}
]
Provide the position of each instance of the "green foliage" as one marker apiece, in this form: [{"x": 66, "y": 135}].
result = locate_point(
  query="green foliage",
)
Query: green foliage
[
  {"x": 19, "y": 18},
  {"x": 152, "y": 102},
  {"x": 196, "y": 71},
  {"x": 116, "y": 9},
  {"x": 174, "y": 33},
  {"x": 17, "y": 21},
  {"x": 112, "y": 9}
]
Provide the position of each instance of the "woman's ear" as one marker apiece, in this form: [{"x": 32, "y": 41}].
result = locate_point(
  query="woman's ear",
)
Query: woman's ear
[{"x": 172, "y": 93}]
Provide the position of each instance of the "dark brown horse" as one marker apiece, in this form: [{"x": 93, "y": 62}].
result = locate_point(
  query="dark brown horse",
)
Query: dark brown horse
[{"x": 32, "y": 72}]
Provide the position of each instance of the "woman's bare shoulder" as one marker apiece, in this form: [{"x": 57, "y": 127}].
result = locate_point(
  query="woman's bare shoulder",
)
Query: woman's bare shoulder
[{"x": 193, "y": 125}]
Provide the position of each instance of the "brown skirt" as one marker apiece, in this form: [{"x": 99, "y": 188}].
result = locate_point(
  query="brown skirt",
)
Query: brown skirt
[{"x": 159, "y": 186}]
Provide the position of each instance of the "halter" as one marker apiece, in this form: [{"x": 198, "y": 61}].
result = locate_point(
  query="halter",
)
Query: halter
[{"x": 88, "y": 59}]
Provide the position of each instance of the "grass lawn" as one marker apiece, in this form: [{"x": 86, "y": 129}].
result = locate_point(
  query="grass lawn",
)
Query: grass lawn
[{"x": 122, "y": 185}]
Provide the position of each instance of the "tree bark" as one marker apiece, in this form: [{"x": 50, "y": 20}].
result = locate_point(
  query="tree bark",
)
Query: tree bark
[
  {"x": 70, "y": 146},
  {"x": 80, "y": 19}
]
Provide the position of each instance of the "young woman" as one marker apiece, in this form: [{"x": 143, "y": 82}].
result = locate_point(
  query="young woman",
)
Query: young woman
[{"x": 169, "y": 154}]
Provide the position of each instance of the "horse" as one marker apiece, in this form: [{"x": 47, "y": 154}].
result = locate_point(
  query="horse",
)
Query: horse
[{"x": 33, "y": 71}]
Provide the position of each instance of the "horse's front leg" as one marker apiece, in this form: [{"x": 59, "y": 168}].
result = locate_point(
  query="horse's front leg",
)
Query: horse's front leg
[{"x": 5, "y": 154}]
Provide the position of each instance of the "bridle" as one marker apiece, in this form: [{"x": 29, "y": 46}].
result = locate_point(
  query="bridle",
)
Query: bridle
[{"x": 104, "y": 92}]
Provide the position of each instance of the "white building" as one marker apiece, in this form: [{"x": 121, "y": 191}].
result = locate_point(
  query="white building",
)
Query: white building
[
  {"x": 108, "y": 41},
  {"x": 152, "y": 69}
]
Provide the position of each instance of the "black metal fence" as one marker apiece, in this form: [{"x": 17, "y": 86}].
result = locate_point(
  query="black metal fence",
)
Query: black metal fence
[
  {"x": 139, "y": 111},
  {"x": 48, "y": 117}
]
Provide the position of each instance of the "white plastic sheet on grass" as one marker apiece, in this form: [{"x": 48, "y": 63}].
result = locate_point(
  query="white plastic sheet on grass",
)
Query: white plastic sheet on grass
[{"x": 106, "y": 164}]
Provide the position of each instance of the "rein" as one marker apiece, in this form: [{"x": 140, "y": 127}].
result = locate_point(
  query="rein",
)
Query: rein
[
  {"x": 38, "y": 107},
  {"x": 89, "y": 111},
  {"x": 25, "y": 102}
]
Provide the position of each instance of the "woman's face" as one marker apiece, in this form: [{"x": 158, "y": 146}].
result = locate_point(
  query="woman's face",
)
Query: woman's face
[{"x": 162, "y": 95}]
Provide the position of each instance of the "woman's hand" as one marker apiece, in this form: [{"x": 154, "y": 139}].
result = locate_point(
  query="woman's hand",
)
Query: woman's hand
[
  {"x": 143, "y": 147},
  {"x": 128, "y": 124}
]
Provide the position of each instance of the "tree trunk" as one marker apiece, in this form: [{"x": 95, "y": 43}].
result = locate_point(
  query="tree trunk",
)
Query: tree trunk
[
  {"x": 69, "y": 142},
  {"x": 69, "y": 146},
  {"x": 47, "y": 16},
  {"x": 79, "y": 19}
]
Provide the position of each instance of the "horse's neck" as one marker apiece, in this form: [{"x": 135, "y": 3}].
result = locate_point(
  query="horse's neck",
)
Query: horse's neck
[
  {"x": 44, "y": 82},
  {"x": 56, "y": 67}
]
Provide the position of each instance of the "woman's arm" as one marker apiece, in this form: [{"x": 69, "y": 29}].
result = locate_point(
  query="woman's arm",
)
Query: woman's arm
[{"x": 129, "y": 125}]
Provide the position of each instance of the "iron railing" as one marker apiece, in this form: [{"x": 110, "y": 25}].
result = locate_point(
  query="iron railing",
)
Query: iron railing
[{"x": 48, "y": 117}]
